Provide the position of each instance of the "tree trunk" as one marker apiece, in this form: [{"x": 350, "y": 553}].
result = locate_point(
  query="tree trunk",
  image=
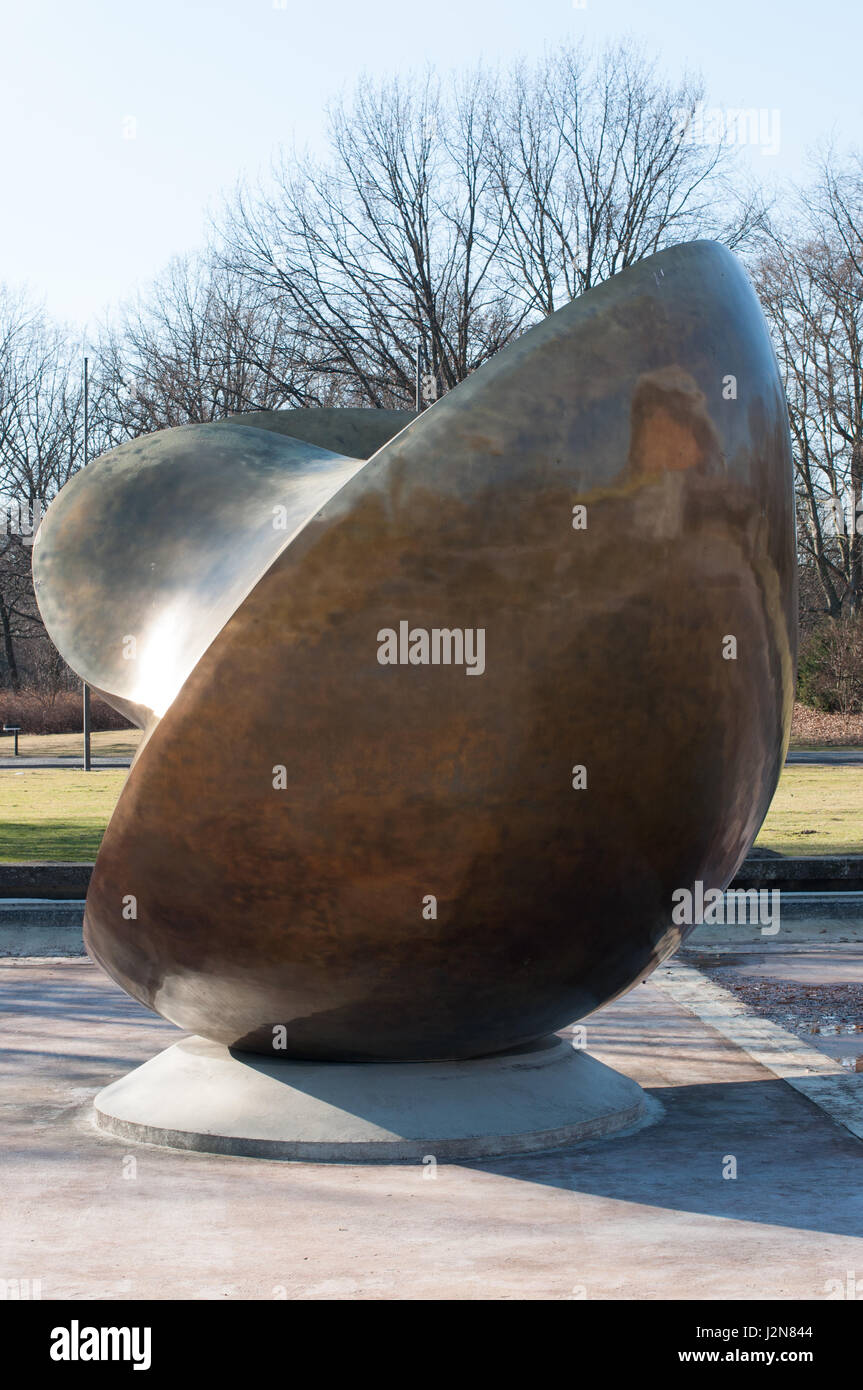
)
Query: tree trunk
[
  {"x": 9, "y": 648},
  {"x": 855, "y": 594}
]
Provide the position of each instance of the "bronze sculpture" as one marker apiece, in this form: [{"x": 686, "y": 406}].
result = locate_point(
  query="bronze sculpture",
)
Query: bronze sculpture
[{"x": 348, "y": 857}]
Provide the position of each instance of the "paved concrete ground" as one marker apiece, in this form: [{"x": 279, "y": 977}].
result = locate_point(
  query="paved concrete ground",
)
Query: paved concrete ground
[
  {"x": 831, "y": 926},
  {"x": 815, "y": 990},
  {"x": 814, "y": 965},
  {"x": 647, "y": 1215}
]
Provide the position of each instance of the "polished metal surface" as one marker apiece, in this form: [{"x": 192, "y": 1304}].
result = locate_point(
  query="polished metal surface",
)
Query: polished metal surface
[
  {"x": 338, "y": 858},
  {"x": 346, "y": 430}
]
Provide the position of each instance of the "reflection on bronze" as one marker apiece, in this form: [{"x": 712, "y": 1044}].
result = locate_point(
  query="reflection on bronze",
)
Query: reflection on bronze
[{"x": 344, "y": 857}]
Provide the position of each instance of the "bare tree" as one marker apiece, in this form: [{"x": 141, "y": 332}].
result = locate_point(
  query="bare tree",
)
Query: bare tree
[
  {"x": 810, "y": 283},
  {"x": 389, "y": 246},
  {"x": 450, "y": 216},
  {"x": 200, "y": 344},
  {"x": 596, "y": 167},
  {"x": 40, "y": 402},
  {"x": 18, "y": 617},
  {"x": 40, "y": 447}
]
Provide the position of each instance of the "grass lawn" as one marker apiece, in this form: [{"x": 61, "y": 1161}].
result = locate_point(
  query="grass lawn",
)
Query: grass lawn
[
  {"x": 56, "y": 814},
  {"x": 116, "y": 744},
  {"x": 62, "y": 813},
  {"x": 816, "y": 810}
]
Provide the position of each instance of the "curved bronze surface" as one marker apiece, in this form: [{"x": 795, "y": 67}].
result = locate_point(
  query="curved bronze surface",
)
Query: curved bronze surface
[
  {"x": 424, "y": 880},
  {"x": 347, "y": 430}
]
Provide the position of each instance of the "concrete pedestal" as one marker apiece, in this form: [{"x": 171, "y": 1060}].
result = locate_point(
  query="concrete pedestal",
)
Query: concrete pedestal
[{"x": 199, "y": 1095}]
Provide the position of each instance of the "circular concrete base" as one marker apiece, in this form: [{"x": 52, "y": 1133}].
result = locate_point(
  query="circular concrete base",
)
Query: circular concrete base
[{"x": 199, "y": 1095}]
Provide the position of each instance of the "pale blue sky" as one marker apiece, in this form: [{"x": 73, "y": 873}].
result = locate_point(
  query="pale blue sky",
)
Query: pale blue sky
[{"x": 214, "y": 88}]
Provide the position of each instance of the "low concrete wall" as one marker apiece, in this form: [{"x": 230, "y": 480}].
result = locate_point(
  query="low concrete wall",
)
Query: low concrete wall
[
  {"x": 41, "y": 927},
  {"x": 817, "y": 907},
  {"x": 42, "y": 904},
  {"x": 45, "y": 880},
  {"x": 820, "y": 874},
  {"x": 53, "y": 927},
  {"x": 823, "y": 873}
]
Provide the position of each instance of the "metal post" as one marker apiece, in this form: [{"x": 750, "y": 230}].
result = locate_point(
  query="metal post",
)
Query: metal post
[
  {"x": 85, "y": 686},
  {"x": 86, "y": 690},
  {"x": 418, "y": 379}
]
